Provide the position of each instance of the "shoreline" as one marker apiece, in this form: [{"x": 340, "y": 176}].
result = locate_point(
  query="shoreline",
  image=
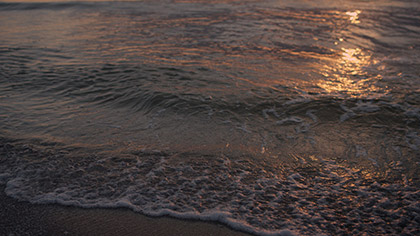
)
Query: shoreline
[{"x": 23, "y": 218}]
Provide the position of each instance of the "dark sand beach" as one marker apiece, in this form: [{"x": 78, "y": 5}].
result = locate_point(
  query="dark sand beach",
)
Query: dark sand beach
[{"x": 23, "y": 218}]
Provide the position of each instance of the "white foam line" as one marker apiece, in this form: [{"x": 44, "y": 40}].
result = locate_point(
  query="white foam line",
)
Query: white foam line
[{"x": 213, "y": 216}]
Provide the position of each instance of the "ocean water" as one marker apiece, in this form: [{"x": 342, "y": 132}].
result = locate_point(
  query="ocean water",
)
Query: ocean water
[{"x": 273, "y": 117}]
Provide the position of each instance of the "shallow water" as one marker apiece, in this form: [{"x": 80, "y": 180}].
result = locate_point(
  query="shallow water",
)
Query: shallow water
[{"x": 272, "y": 117}]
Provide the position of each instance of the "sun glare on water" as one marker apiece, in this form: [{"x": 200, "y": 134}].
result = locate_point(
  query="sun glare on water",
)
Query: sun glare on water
[
  {"x": 354, "y": 16},
  {"x": 348, "y": 75}
]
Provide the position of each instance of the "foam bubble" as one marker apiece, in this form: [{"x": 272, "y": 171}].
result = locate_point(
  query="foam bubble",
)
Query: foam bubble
[{"x": 319, "y": 197}]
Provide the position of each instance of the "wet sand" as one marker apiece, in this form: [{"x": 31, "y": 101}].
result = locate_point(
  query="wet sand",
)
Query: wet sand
[{"x": 23, "y": 218}]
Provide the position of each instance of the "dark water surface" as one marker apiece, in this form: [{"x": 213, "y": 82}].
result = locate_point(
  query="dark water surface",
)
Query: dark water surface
[{"x": 270, "y": 116}]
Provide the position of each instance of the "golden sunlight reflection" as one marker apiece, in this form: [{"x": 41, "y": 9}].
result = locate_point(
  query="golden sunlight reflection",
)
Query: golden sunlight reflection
[
  {"x": 354, "y": 16},
  {"x": 348, "y": 74}
]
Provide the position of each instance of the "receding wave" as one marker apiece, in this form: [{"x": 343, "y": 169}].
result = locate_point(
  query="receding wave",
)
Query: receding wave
[{"x": 315, "y": 196}]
